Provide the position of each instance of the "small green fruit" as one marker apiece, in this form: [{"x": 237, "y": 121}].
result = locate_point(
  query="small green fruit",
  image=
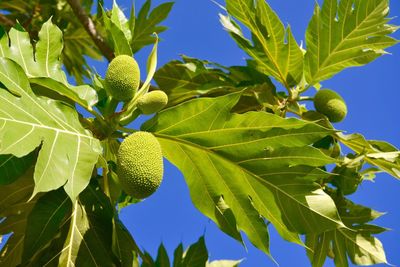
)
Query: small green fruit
[
  {"x": 123, "y": 77},
  {"x": 331, "y": 104},
  {"x": 140, "y": 164},
  {"x": 152, "y": 102}
]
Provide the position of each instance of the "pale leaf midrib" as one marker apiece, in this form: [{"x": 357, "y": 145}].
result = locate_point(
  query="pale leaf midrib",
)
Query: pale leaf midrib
[
  {"x": 25, "y": 94},
  {"x": 47, "y": 128}
]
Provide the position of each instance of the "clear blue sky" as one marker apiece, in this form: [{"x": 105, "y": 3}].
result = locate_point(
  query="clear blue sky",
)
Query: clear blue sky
[{"x": 372, "y": 94}]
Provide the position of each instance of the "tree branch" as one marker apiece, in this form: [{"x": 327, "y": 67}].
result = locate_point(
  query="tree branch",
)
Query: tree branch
[
  {"x": 6, "y": 21},
  {"x": 90, "y": 28}
]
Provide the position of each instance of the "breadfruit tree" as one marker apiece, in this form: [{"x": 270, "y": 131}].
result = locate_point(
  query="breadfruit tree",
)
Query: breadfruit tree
[{"x": 257, "y": 144}]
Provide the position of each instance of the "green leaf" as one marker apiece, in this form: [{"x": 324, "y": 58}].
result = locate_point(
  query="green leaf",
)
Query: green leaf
[
  {"x": 45, "y": 62},
  {"x": 273, "y": 47},
  {"x": 89, "y": 239},
  {"x": 119, "y": 19},
  {"x": 377, "y": 153},
  {"x": 320, "y": 244},
  {"x": 116, "y": 36},
  {"x": 346, "y": 179},
  {"x": 178, "y": 256},
  {"x": 356, "y": 242},
  {"x": 146, "y": 23},
  {"x": 346, "y": 34},
  {"x": 44, "y": 222},
  {"x": 77, "y": 46},
  {"x": 162, "y": 257},
  {"x": 261, "y": 164},
  {"x": 11, "y": 167},
  {"x": 68, "y": 152},
  {"x": 196, "y": 254},
  {"x": 151, "y": 66},
  {"x": 14, "y": 210},
  {"x": 192, "y": 78},
  {"x": 83, "y": 95},
  {"x": 123, "y": 245}
]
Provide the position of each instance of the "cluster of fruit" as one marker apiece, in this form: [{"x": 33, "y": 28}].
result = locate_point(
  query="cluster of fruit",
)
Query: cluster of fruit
[{"x": 139, "y": 159}]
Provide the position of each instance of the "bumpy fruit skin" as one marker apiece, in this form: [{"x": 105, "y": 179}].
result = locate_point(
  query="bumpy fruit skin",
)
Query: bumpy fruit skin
[
  {"x": 140, "y": 164},
  {"x": 331, "y": 104},
  {"x": 152, "y": 102},
  {"x": 123, "y": 77}
]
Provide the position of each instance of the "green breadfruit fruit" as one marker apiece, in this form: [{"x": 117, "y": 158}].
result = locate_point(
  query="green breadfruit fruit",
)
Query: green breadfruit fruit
[
  {"x": 331, "y": 104},
  {"x": 122, "y": 77},
  {"x": 140, "y": 164},
  {"x": 152, "y": 102}
]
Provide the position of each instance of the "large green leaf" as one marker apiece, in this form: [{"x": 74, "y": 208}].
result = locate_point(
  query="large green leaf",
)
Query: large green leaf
[
  {"x": 377, "y": 153},
  {"x": 346, "y": 34},
  {"x": 68, "y": 152},
  {"x": 274, "y": 48},
  {"x": 262, "y": 166},
  {"x": 14, "y": 211},
  {"x": 45, "y": 62}
]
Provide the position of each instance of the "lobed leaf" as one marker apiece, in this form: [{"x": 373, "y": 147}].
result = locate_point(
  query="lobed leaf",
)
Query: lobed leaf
[
  {"x": 68, "y": 152},
  {"x": 377, "y": 153},
  {"x": 273, "y": 47},
  {"x": 77, "y": 46},
  {"x": 260, "y": 164},
  {"x": 345, "y": 34},
  {"x": 44, "y": 66},
  {"x": 146, "y": 23},
  {"x": 357, "y": 242}
]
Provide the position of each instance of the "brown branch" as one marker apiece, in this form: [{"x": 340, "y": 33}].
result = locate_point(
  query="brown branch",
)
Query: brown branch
[
  {"x": 6, "y": 21},
  {"x": 90, "y": 28}
]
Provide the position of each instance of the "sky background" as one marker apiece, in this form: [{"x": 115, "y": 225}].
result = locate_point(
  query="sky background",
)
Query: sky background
[{"x": 372, "y": 95}]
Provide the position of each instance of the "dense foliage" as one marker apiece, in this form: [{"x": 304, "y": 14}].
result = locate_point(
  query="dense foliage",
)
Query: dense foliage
[{"x": 251, "y": 154}]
